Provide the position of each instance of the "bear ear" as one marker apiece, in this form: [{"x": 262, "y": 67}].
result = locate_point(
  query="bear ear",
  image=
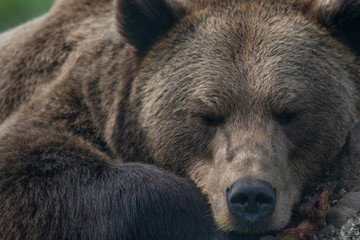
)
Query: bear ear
[
  {"x": 342, "y": 17},
  {"x": 142, "y": 22}
]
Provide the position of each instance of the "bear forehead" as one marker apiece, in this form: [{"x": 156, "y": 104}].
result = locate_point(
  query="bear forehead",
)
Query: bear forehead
[{"x": 241, "y": 50}]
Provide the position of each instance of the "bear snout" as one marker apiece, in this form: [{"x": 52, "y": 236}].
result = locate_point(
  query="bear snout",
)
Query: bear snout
[{"x": 251, "y": 201}]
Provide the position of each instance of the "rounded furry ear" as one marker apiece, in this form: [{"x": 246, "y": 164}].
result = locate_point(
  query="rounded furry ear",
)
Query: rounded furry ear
[
  {"x": 342, "y": 17},
  {"x": 142, "y": 22}
]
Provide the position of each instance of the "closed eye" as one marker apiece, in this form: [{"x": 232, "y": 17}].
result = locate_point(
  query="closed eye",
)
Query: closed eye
[
  {"x": 286, "y": 118},
  {"x": 212, "y": 121}
]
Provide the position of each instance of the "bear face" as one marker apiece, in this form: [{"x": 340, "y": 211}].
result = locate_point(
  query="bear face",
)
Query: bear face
[{"x": 247, "y": 91}]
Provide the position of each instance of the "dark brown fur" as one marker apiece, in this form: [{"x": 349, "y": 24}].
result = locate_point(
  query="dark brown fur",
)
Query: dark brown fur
[{"x": 214, "y": 91}]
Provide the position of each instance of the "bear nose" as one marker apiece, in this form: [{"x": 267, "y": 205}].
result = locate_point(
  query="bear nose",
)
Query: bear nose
[{"x": 251, "y": 200}]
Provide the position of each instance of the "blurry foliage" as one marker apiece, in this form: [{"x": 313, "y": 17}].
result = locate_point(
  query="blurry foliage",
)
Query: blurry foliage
[{"x": 16, "y": 12}]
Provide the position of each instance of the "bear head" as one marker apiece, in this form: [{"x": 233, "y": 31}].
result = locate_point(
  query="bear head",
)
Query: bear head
[{"x": 251, "y": 99}]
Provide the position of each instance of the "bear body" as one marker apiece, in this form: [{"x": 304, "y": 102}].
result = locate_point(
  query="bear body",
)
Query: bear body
[{"x": 159, "y": 119}]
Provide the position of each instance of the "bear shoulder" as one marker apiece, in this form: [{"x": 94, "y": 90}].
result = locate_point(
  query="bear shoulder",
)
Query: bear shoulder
[{"x": 34, "y": 54}]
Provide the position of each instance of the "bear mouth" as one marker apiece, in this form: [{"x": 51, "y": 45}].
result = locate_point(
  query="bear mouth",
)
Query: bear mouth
[
  {"x": 263, "y": 236},
  {"x": 247, "y": 228}
]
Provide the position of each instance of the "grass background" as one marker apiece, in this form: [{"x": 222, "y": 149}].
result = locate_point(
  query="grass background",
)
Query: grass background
[{"x": 15, "y": 12}]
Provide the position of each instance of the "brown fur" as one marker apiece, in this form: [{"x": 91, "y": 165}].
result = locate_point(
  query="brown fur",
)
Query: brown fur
[{"x": 226, "y": 90}]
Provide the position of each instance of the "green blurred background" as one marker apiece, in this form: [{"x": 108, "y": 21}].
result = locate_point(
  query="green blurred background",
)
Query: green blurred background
[{"x": 15, "y": 12}]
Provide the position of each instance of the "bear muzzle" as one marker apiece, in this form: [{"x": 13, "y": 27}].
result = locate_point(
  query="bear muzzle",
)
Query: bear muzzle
[{"x": 251, "y": 201}]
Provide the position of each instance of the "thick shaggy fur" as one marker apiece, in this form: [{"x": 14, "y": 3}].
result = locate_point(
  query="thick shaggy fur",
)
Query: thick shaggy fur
[{"x": 204, "y": 92}]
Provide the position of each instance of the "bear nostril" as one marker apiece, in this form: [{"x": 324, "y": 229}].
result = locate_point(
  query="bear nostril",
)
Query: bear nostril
[
  {"x": 251, "y": 200},
  {"x": 241, "y": 199},
  {"x": 264, "y": 199}
]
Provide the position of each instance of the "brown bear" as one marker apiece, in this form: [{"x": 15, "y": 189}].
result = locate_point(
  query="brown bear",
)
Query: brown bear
[{"x": 123, "y": 119}]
